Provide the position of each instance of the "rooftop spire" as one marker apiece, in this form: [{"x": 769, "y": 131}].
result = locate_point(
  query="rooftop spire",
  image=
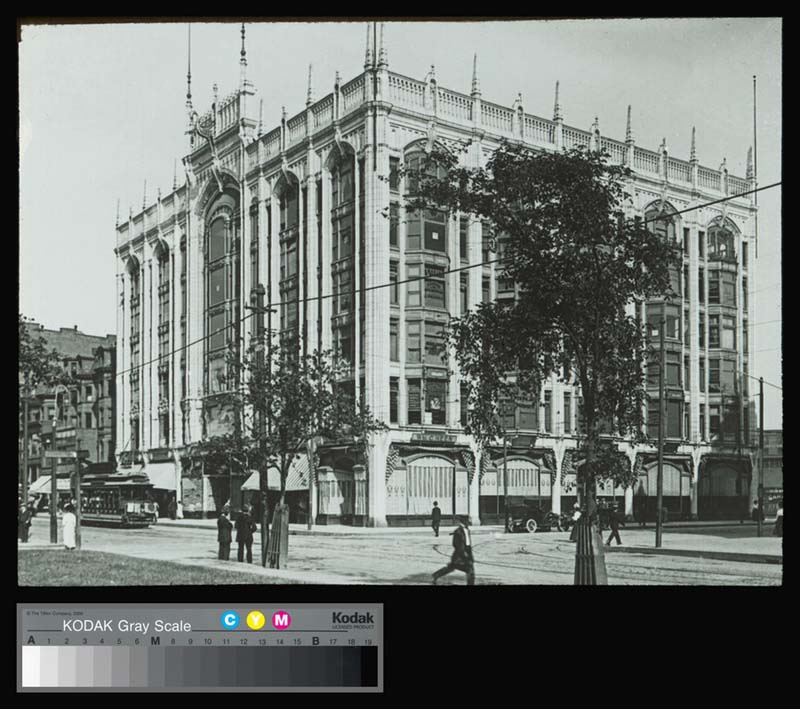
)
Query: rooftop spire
[
  {"x": 749, "y": 173},
  {"x": 215, "y": 91},
  {"x": 596, "y": 125},
  {"x": 310, "y": 94},
  {"x": 628, "y": 132},
  {"x": 383, "y": 60},
  {"x": 242, "y": 63},
  {"x": 260, "y": 117},
  {"x": 693, "y": 151},
  {"x": 175, "y": 174},
  {"x": 557, "y": 107},
  {"x": 368, "y": 59},
  {"x": 144, "y": 196},
  {"x": 117, "y": 223},
  {"x": 476, "y": 87}
]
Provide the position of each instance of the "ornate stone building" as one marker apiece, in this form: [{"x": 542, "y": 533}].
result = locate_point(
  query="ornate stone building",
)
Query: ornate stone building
[{"x": 314, "y": 208}]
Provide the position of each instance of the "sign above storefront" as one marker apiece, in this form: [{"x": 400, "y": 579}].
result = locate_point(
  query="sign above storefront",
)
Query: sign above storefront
[{"x": 432, "y": 437}]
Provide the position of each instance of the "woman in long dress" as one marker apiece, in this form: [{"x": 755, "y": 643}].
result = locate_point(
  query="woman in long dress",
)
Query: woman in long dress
[{"x": 69, "y": 522}]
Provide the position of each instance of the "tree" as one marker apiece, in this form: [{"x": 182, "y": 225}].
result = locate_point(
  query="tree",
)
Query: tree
[
  {"x": 577, "y": 262},
  {"x": 287, "y": 401},
  {"x": 36, "y": 364}
]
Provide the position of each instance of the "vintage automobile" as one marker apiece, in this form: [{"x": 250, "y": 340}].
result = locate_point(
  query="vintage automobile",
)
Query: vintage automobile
[{"x": 529, "y": 517}]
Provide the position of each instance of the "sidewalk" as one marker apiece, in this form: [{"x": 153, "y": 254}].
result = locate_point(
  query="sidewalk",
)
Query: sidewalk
[{"x": 767, "y": 550}]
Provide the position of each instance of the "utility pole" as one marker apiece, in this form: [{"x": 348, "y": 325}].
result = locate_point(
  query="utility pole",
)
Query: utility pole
[
  {"x": 77, "y": 492},
  {"x": 760, "y": 452},
  {"x": 505, "y": 478},
  {"x": 25, "y": 440},
  {"x": 661, "y": 417},
  {"x": 53, "y": 494}
]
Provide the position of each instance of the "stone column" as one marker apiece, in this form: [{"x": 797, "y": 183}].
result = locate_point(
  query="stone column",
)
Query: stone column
[
  {"x": 628, "y": 502},
  {"x": 695, "y": 490},
  {"x": 376, "y": 482},
  {"x": 120, "y": 383},
  {"x": 195, "y": 327},
  {"x": 325, "y": 261}
]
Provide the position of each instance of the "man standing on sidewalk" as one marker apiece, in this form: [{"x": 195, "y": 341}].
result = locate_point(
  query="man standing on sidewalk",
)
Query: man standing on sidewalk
[
  {"x": 224, "y": 526},
  {"x": 462, "y": 559},
  {"x": 436, "y": 517},
  {"x": 245, "y": 526},
  {"x": 614, "y": 520}
]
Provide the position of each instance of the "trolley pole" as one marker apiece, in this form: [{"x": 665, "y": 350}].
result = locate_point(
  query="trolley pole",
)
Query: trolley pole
[
  {"x": 661, "y": 407},
  {"x": 25, "y": 463},
  {"x": 760, "y": 452}
]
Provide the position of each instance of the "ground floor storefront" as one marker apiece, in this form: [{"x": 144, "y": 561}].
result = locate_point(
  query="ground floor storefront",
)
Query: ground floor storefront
[{"x": 398, "y": 479}]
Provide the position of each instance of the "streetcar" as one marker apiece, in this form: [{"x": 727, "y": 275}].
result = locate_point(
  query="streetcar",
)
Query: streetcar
[{"x": 116, "y": 500}]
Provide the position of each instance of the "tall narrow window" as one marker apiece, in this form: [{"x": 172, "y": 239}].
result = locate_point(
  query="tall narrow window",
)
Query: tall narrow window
[
  {"x": 463, "y": 231},
  {"x": 413, "y": 344},
  {"x": 702, "y": 422},
  {"x": 701, "y": 289},
  {"x": 394, "y": 220},
  {"x": 745, "y": 344},
  {"x": 686, "y": 370},
  {"x": 414, "y": 401},
  {"x": 434, "y": 344},
  {"x": 394, "y": 175},
  {"x": 393, "y": 399},
  {"x": 414, "y": 285},
  {"x": 686, "y": 283},
  {"x": 701, "y": 242},
  {"x": 713, "y": 331},
  {"x": 485, "y": 289},
  {"x": 686, "y": 241},
  {"x": 464, "y": 392},
  {"x": 744, "y": 295},
  {"x": 464, "y": 284},
  {"x": 435, "y": 290},
  {"x": 702, "y": 330},
  {"x": 435, "y": 230},
  {"x": 548, "y": 411},
  {"x": 436, "y": 401},
  {"x": 713, "y": 376},
  {"x": 394, "y": 355},
  {"x": 744, "y": 254},
  {"x": 702, "y": 374},
  {"x": 713, "y": 288},
  {"x": 567, "y": 412},
  {"x": 728, "y": 332},
  {"x": 394, "y": 297}
]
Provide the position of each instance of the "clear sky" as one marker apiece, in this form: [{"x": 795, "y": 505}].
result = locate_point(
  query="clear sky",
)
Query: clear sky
[{"x": 102, "y": 110}]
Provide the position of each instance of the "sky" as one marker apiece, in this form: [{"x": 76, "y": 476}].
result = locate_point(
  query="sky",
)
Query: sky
[{"x": 102, "y": 109}]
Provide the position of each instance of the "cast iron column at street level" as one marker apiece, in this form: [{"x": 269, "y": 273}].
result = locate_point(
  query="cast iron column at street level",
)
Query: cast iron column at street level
[
  {"x": 760, "y": 452},
  {"x": 77, "y": 493},
  {"x": 53, "y": 496},
  {"x": 661, "y": 408}
]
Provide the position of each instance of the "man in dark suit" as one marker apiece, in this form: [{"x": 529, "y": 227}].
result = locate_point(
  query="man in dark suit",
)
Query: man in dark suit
[
  {"x": 614, "y": 520},
  {"x": 25, "y": 517},
  {"x": 224, "y": 526},
  {"x": 436, "y": 517},
  {"x": 462, "y": 559},
  {"x": 245, "y": 526}
]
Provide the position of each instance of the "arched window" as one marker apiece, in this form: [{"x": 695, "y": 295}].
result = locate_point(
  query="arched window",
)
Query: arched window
[
  {"x": 221, "y": 287},
  {"x": 721, "y": 244}
]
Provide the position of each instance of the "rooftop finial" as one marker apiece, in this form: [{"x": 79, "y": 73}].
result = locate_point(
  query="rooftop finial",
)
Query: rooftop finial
[
  {"x": 724, "y": 165},
  {"x": 383, "y": 60},
  {"x": 749, "y": 174},
  {"x": 242, "y": 64},
  {"x": 693, "y": 151},
  {"x": 556, "y": 107},
  {"x": 117, "y": 223},
  {"x": 144, "y": 196},
  {"x": 432, "y": 74},
  {"x": 310, "y": 94},
  {"x": 175, "y": 174},
  {"x": 628, "y": 132},
  {"x": 189, "y": 72},
  {"x": 596, "y": 125},
  {"x": 158, "y": 193},
  {"x": 283, "y": 113},
  {"x": 243, "y": 53},
  {"x": 368, "y": 59},
  {"x": 260, "y": 118},
  {"x": 663, "y": 146},
  {"x": 337, "y": 79},
  {"x": 215, "y": 90},
  {"x": 476, "y": 87}
]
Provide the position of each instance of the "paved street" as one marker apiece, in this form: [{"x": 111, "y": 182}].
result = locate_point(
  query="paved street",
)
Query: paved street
[{"x": 410, "y": 556}]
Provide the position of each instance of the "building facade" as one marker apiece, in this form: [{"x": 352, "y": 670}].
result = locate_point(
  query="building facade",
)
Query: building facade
[
  {"x": 88, "y": 413},
  {"x": 314, "y": 212}
]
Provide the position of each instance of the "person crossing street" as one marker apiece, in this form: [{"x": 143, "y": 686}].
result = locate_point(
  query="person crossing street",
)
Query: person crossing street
[{"x": 462, "y": 558}]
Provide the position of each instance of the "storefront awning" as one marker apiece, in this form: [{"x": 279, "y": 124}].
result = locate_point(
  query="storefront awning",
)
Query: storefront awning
[
  {"x": 42, "y": 485},
  {"x": 161, "y": 475},
  {"x": 297, "y": 479}
]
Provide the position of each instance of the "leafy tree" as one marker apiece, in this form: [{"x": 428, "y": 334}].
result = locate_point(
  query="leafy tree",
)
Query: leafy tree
[
  {"x": 577, "y": 262},
  {"x": 36, "y": 363},
  {"x": 287, "y": 402}
]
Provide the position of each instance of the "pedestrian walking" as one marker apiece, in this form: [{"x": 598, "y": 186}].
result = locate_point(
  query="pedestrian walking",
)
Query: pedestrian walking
[
  {"x": 576, "y": 515},
  {"x": 778, "y": 530},
  {"x": 224, "y": 527},
  {"x": 69, "y": 522},
  {"x": 245, "y": 527},
  {"x": 462, "y": 558},
  {"x": 25, "y": 517},
  {"x": 155, "y": 518},
  {"x": 614, "y": 521},
  {"x": 436, "y": 517},
  {"x": 172, "y": 508}
]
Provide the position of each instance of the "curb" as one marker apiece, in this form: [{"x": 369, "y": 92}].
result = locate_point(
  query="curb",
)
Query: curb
[{"x": 701, "y": 554}]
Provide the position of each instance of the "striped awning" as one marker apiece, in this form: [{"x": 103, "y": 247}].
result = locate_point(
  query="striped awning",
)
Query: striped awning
[
  {"x": 42, "y": 485},
  {"x": 297, "y": 479}
]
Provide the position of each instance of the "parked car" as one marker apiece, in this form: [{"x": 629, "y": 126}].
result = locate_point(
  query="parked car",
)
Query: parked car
[{"x": 530, "y": 518}]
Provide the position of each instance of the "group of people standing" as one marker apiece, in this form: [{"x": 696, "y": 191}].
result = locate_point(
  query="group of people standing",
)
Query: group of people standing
[{"x": 245, "y": 527}]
